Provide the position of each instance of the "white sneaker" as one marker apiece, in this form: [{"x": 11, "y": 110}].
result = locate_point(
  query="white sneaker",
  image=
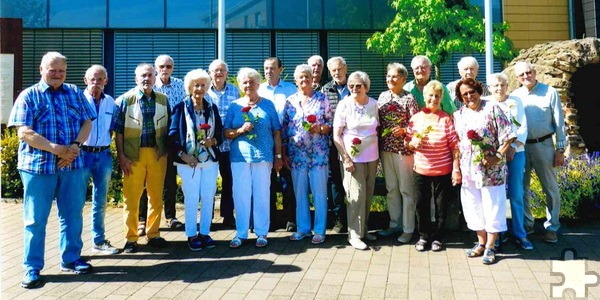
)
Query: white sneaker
[
  {"x": 357, "y": 244},
  {"x": 370, "y": 237},
  {"x": 105, "y": 248}
]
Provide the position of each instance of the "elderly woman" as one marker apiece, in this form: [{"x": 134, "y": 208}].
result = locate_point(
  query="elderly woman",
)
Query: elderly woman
[
  {"x": 307, "y": 120},
  {"x": 396, "y": 107},
  {"x": 432, "y": 136},
  {"x": 253, "y": 126},
  {"x": 515, "y": 156},
  {"x": 355, "y": 137},
  {"x": 195, "y": 133},
  {"x": 485, "y": 135}
]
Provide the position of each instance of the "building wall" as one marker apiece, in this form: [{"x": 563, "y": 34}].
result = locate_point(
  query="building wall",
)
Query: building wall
[
  {"x": 536, "y": 21},
  {"x": 589, "y": 14}
]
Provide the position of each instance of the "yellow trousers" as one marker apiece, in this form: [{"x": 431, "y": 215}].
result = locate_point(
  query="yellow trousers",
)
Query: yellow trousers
[{"x": 148, "y": 171}]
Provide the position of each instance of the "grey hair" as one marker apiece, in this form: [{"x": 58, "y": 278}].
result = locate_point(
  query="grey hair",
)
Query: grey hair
[
  {"x": 247, "y": 72},
  {"x": 362, "y": 76},
  {"x": 497, "y": 77},
  {"x": 168, "y": 57},
  {"x": 218, "y": 62},
  {"x": 302, "y": 69},
  {"x": 315, "y": 57},
  {"x": 52, "y": 56},
  {"x": 417, "y": 59},
  {"x": 144, "y": 65},
  {"x": 334, "y": 59},
  {"x": 524, "y": 65},
  {"x": 195, "y": 75},
  {"x": 398, "y": 67},
  {"x": 467, "y": 61},
  {"x": 94, "y": 68}
]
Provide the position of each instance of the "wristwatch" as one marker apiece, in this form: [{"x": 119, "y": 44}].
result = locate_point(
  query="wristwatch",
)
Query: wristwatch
[
  {"x": 561, "y": 150},
  {"x": 499, "y": 155},
  {"x": 76, "y": 143},
  {"x": 278, "y": 155}
]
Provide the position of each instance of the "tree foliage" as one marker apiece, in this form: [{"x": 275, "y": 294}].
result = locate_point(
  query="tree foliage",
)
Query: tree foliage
[{"x": 438, "y": 28}]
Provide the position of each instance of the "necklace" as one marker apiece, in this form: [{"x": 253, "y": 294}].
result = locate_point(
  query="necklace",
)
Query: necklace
[{"x": 252, "y": 102}]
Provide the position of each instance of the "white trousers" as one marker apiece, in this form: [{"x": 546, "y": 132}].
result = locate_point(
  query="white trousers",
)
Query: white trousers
[
  {"x": 485, "y": 208},
  {"x": 198, "y": 185},
  {"x": 399, "y": 182},
  {"x": 316, "y": 179},
  {"x": 251, "y": 192}
]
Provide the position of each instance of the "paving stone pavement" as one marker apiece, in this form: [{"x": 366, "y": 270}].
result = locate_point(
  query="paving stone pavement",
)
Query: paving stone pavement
[{"x": 289, "y": 270}]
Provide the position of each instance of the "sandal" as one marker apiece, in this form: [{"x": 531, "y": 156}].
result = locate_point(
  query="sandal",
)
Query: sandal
[
  {"x": 436, "y": 246},
  {"x": 489, "y": 256},
  {"x": 235, "y": 243},
  {"x": 298, "y": 236},
  {"x": 261, "y": 241},
  {"x": 476, "y": 251},
  {"x": 421, "y": 245},
  {"x": 318, "y": 239},
  {"x": 141, "y": 230}
]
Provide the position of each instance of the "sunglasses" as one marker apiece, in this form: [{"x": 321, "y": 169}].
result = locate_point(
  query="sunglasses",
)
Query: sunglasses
[{"x": 352, "y": 86}]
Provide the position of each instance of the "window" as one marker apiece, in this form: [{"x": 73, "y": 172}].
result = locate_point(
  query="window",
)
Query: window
[
  {"x": 33, "y": 12},
  {"x": 191, "y": 14},
  {"x": 136, "y": 14},
  {"x": 77, "y": 14},
  {"x": 298, "y": 14}
]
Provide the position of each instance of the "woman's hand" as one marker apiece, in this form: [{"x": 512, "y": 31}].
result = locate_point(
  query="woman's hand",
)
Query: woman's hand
[
  {"x": 277, "y": 164},
  {"x": 247, "y": 127},
  {"x": 415, "y": 143},
  {"x": 190, "y": 160},
  {"x": 315, "y": 128},
  {"x": 398, "y": 131},
  {"x": 349, "y": 165},
  {"x": 491, "y": 160},
  {"x": 456, "y": 177},
  {"x": 209, "y": 142}
]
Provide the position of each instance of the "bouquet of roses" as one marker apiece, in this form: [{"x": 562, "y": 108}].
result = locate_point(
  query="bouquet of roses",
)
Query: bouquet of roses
[
  {"x": 477, "y": 141},
  {"x": 390, "y": 117},
  {"x": 248, "y": 118},
  {"x": 354, "y": 148},
  {"x": 310, "y": 119}
]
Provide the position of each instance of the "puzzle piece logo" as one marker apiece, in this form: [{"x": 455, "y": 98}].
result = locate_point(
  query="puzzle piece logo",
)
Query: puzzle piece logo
[{"x": 574, "y": 275}]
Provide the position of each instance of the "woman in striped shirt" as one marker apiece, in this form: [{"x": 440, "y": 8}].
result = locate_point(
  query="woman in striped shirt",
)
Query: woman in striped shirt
[{"x": 432, "y": 136}]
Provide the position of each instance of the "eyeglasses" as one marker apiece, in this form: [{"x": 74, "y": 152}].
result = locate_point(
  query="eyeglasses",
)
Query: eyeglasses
[
  {"x": 165, "y": 67},
  {"x": 526, "y": 73},
  {"x": 352, "y": 86},
  {"x": 469, "y": 93}
]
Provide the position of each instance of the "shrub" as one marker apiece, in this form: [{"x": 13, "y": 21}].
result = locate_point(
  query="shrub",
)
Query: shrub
[
  {"x": 579, "y": 184},
  {"x": 12, "y": 187}
]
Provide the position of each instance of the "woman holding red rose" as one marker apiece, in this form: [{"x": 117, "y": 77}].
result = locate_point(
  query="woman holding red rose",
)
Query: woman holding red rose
[
  {"x": 431, "y": 135},
  {"x": 485, "y": 135},
  {"x": 355, "y": 137},
  {"x": 195, "y": 134},
  {"x": 396, "y": 107},
  {"x": 307, "y": 120}
]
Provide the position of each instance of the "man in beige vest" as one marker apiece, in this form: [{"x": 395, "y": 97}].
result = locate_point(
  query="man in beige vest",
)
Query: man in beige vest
[{"x": 141, "y": 127}]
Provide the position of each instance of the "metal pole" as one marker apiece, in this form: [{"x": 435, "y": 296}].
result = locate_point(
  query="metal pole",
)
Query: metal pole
[
  {"x": 221, "y": 30},
  {"x": 489, "y": 48}
]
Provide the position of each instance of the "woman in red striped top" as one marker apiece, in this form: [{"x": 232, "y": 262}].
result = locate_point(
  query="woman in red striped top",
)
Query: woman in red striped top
[{"x": 432, "y": 136}]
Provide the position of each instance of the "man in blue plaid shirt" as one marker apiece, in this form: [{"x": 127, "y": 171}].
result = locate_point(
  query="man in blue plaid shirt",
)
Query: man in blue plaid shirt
[{"x": 52, "y": 118}]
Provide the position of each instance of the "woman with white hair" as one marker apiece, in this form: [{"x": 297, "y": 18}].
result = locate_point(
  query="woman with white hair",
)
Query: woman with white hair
[
  {"x": 515, "y": 155},
  {"x": 252, "y": 125},
  {"x": 307, "y": 120},
  {"x": 355, "y": 137},
  {"x": 195, "y": 134}
]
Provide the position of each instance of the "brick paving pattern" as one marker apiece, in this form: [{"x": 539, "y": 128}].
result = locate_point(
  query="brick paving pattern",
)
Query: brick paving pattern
[{"x": 289, "y": 270}]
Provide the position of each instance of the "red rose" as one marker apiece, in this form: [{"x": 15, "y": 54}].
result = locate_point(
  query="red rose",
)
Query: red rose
[
  {"x": 427, "y": 110},
  {"x": 473, "y": 135},
  {"x": 407, "y": 138},
  {"x": 246, "y": 109},
  {"x": 311, "y": 118},
  {"x": 392, "y": 108},
  {"x": 205, "y": 126},
  {"x": 356, "y": 141}
]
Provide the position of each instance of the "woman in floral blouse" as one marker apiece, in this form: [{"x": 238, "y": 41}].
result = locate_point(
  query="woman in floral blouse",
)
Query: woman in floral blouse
[
  {"x": 485, "y": 135},
  {"x": 307, "y": 120},
  {"x": 432, "y": 136},
  {"x": 355, "y": 137},
  {"x": 396, "y": 107}
]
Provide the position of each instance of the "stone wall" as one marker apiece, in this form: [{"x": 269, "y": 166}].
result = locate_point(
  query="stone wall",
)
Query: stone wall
[{"x": 555, "y": 64}]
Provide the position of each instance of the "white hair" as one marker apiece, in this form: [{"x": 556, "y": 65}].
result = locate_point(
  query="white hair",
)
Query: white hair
[
  {"x": 164, "y": 56},
  {"x": 247, "y": 72},
  {"x": 497, "y": 77},
  {"x": 218, "y": 62},
  {"x": 467, "y": 61},
  {"x": 334, "y": 59},
  {"x": 315, "y": 57},
  {"x": 362, "y": 76},
  {"x": 50, "y": 57},
  {"x": 195, "y": 75},
  {"x": 415, "y": 61}
]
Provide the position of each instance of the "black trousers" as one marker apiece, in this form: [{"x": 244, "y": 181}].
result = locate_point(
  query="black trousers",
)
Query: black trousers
[
  {"x": 283, "y": 185},
  {"x": 440, "y": 188},
  {"x": 336, "y": 196},
  {"x": 227, "y": 206}
]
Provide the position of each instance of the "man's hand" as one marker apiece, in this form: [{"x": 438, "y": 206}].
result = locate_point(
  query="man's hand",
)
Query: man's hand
[
  {"x": 125, "y": 164},
  {"x": 559, "y": 159}
]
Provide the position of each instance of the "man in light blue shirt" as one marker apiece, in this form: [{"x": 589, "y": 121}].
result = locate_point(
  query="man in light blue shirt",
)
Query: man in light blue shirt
[
  {"x": 277, "y": 90},
  {"x": 222, "y": 94},
  {"x": 545, "y": 119}
]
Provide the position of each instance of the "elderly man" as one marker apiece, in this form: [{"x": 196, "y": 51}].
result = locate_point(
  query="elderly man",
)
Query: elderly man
[
  {"x": 222, "y": 94},
  {"x": 336, "y": 90},
  {"x": 141, "y": 126},
  {"x": 52, "y": 120},
  {"x": 316, "y": 65},
  {"x": 173, "y": 88},
  {"x": 96, "y": 153},
  {"x": 421, "y": 66},
  {"x": 277, "y": 90},
  {"x": 468, "y": 67},
  {"x": 545, "y": 119}
]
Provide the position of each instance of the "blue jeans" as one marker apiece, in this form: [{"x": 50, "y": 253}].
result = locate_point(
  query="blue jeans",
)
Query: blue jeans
[
  {"x": 98, "y": 166},
  {"x": 516, "y": 172},
  {"x": 40, "y": 190}
]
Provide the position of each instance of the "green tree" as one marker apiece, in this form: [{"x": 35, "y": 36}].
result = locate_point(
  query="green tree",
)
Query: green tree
[{"x": 438, "y": 28}]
